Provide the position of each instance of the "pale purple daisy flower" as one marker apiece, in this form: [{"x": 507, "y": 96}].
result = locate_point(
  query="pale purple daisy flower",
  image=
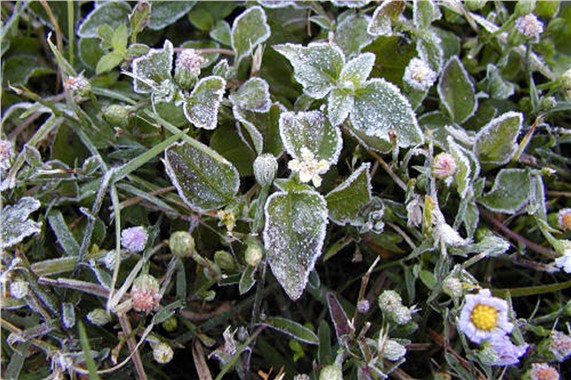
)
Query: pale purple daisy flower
[
  {"x": 484, "y": 317},
  {"x": 508, "y": 353},
  {"x": 529, "y": 26},
  {"x": 134, "y": 239}
]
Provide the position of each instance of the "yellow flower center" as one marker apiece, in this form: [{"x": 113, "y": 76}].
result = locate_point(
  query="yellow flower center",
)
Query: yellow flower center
[{"x": 484, "y": 317}]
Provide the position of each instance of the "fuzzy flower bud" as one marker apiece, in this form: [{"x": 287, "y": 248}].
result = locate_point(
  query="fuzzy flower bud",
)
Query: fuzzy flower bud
[
  {"x": 564, "y": 217},
  {"x": 419, "y": 75},
  {"x": 171, "y": 324},
  {"x": 453, "y": 287},
  {"x": 265, "y": 169},
  {"x": 116, "y": 115},
  {"x": 19, "y": 289},
  {"x": 443, "y": 166},
  {"x": 187, "y": 68},
  {"x": 181, "y": 244},
  {"x": 543, "y": 371},
  {"x": 145, "y": 294},
  {"x": 389, "y": 300},
  {"x": 78, "y": 87},
  {"x": 393, "y": 350},
  {"x": 6, "y": 154},
  {"x": 560, "y": 345},
  {"x": 253, "y": 254},
  {"x": 565, "y": 81},
  {"x": 98, "y": 317},
  {"x": 163, "y": 353},
  {"x": 224, "y": 259},
  {"x": 134, "y": 239},
  {"x": 529, "y": 26},
  {"x": 363, "y": 306},
  {"x": 331, "y": 372}
]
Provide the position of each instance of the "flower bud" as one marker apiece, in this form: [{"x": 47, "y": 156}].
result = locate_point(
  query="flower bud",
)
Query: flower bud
[
  {"x": 116, "y": 115},
  {"x": 475, "y": 5},
  {"x": 224, "y": 259},
  {"x": 331, "y": 372},
  {"x": 548, "y": 103},
  {"x": 145, "y": 294},
  {"x": 265, "y": 169},
  {"x": 171, "y": 324},
  {"x": 134, "y": 239},
  {"x": 181, "y": 244},
  {"x": 98, "y": 317},
  {"x": 253, "y": 254},
  {"x": 443, "y": 166},
  {"x": 453, "y": 287},
  {"x": 6, "y": 154},
  {"x": 363, "y": 306},
  {"x": 163, "y": 353},
  {"x": 393, "y": 350},
  {"x": 78, "y": 87},
  {"x": 19, "y": 289},
  {"x": 565, "y": 81},
  {"x": 187, "y": 68},
  {"x": 389, "y": 300}
]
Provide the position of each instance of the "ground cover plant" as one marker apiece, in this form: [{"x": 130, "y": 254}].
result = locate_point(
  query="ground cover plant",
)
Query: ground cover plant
[{"x": 279, "y": 189}]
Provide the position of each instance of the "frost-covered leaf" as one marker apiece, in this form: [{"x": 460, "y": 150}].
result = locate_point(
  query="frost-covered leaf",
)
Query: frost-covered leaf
[
  {"x": 498, "y": 87},
  {"x": 293, "y": 237},
  {"x": 112, "y": 13},
  {"x": 222, "y": 33},
  {"x": 339, "y": 104},
  {"x": 254, "y": 95},
  {"x": 64, "y": 236},
  {"x": 350, "y": 3},
  {"x": 356, "y": 71},
  {"x": 21, "y": 68},
  {"x": 316, "y": 67},
  {"x": 293, "y": 329},
  {"x": 164, "y": 13},
  {"x": 201, "y": 107},
  {"x": 351, "y": 34},
  {"x": 509, "y": 193},
  {"x": 379, "y": 108},
  {"x": 430, "y": 50},
  {"x": 152, "y": 68},
  {"x": 204, "y": 179},
  {"x": 383, "y": 17},
  {"x": 424, "y": 13},
  {"x": 463, "y": 168},
  {"x": 226, "y": 141},
  {"x": 15, "y": 222},
  {"x": 313, "y": 131},
  {"x": 248, "y": 30},
  {"x": 261, "y": 129},
  {"x": 495, "y": 143},
  {"x": 456, "y": 91},
  {"x": 346, "y": 200}
]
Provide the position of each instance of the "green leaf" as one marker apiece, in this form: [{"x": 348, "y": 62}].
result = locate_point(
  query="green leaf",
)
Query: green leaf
[
  {"x": 346, "y": 200},
  {"x": 293, "y": 329},
  {"x": 228, "y": 143},
  {"x": 90, "y": 52},
  {"x": 357, "y": 70},
  {"x": 262, "y": 129},
  {"x": 20, "y": 68},
  {"x": 383, "y": 17},
  {"x": 462, "y": 178},
  {"x": 316, "y": 67},
  {"x": 379, "y": 108},
  {"x": 15, "y": 222},
  {"x": 64, "y": 236},
  {"x": 87, "y": 354},
  {"x": 165, "y": 13},
  {"x": 456, "y": 91},
  {"x": 509, "y": 193},
  {"x": 253, "y": 95},
  {"x": 201, "y": 107},
  {"x": 430, "y": 50},
  {"x": 498, "y": 87},
  {"x": 293, "y": 237},
  {"x": 424, "y": 13},
  {"x": 222, "y": 33},
  {"x": 204, "y": 179},
  {"x": 339, "y": 104},
  {"x": 312, "y": 131},
  {"x": 120, "y": 39},
  {"x": 108, "y": 62},
  {"x": 152, "y": 68},
  {"x": 139, "y": 18},
  {"x": 351, "y": 34},
  {"x": 496, "y": 142},
  {"x": 249, "y": 30},
  {"x": 247, "y": 280},
  {"x": 112, "y": 13}
]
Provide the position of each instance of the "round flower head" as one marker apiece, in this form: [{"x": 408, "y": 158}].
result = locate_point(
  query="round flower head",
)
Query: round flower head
[
  {"x": 529, "y": 26},
  {"x": 145, "y": 294},
  {"x": 543, "y": 371},
  {"x": 507, "y": 352},
  {"x": 484, "y": 317},
  {"x": 443, "y": 166},
  {"x": 419, "y": 75},
  {"x": 564, "y": 216},
  {"x": 6, "y": 154},
  {"x": 560, "y": 345},
  {"x": 134, "y": 239},
  {"x": 163, "y": 353}
]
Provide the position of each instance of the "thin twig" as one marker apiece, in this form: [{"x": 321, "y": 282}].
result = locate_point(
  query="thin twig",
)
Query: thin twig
[
  {"x": 388, "y": 169},
  {"x": 133, "y": 346}
]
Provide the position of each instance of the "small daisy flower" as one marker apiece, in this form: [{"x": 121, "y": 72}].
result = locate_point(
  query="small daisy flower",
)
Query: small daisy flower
[
  {"x": 560, "y": 345},
  {"x": 6, "y": 154},
  {"x": 134, "y": 239},
  {"x": 484, "y": 317},
  {"x": 564, "y": 217},
  {"x": 419, "y": 75},
  {"x": 443, "y": 166},
  {"x": 308, "y": 167},
  {"x": 508, "y": 353},
  {"x": 564, "y": 261},
  {"x": 529, "y": 26},
  {"x": 145, "y": 294},
  {"x": 543, "y": 371}
]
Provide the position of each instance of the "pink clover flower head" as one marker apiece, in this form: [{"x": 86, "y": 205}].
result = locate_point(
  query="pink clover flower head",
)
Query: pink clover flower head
[
  {"x": 560, "y": 345},
  {"x": 529, "y": 26},
  {"x": 189, "y": 60},
  {"x": 507, "y": 352},
  {"x": 145, "y": 294},
  {"x": 134, "y": 239},
  {"x": 543, "y": 371},
  {"x": 419, "y": 75},
  {"x": 443, "y": 166},
  {"x": 484, "y": 317}
]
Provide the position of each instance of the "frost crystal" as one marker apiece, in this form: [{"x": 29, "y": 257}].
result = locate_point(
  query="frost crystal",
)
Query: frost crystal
[
  {"x": 308, "y": 167},
  {"x": 529, "y": 26},
  {"x": 6, "y": 154},
  {"x": 444, "y": 233},
  {"x": 19, "y": 289},
  {"x": 134, "y": 239},
  {"x": 419, "y": 75}
]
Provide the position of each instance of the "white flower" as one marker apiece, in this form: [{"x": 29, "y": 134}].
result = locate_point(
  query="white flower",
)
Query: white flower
[
  {"x": 484, "y": 317},
  {"x": 529, "y": 26},
  {"x": 308, "y": 167},
  {"x": 419, "y": 75},
  {"x": 564, "y": 262}
]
